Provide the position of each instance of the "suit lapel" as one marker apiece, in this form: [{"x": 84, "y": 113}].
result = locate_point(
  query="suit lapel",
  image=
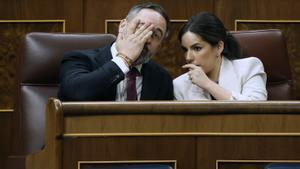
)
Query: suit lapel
[{"x": 228, "y": 77}]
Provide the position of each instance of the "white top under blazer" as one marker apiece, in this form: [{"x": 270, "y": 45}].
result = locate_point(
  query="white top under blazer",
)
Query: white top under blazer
[{"x": 244, "y": 78}]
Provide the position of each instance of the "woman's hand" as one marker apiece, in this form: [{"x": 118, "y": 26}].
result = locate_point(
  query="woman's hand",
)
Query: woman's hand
[
  {"x": 132, "y": 38},
  {"x": 197, "y": 75}
]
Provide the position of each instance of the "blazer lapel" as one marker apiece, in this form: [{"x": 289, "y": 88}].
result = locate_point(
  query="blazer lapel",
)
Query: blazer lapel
[{"x": 228, "y": 77}]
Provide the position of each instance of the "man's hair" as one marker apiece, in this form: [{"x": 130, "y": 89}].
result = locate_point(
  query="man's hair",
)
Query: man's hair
[{"x": 149, "y": 5}]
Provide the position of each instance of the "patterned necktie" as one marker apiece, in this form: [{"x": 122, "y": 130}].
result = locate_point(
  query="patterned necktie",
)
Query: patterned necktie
[{"x": 131, "y": 84}]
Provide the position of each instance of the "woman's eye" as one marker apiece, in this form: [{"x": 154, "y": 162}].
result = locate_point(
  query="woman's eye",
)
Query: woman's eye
[{"x": 197, "y": 48}]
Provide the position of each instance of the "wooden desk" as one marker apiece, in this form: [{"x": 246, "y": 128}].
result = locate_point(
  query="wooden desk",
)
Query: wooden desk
[
  {"x": 196, "y": 135},
  {"x": 5, "y": 134}
]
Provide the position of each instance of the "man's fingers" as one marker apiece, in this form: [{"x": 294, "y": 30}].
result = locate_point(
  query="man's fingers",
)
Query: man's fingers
[
  {"x": 132, "y": 26},
  {"x": 145, "y": 27},
  {"x": 139, "y": 30},
  {"x": 122, "y": 26},
  {"x": 147, "y": 35}
]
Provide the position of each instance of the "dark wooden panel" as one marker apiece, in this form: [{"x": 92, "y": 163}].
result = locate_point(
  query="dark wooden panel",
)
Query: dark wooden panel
[
  {"x": 181, "y": 149},
  {"x": 179, "y": 9},
  {"x": 73, "y": 14},
  {"x": 9, "y": 9},
  {"x": 5, "y": 130},
  {"x": 95, "y": 12},
  {"x": 70, "y": 10},
  {"x": 36, "y": 9},
  {"x": 230, "y": 10},
  {"x": 210, "y": 149}
]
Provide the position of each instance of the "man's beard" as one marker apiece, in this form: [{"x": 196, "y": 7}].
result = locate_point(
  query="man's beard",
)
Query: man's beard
[{"x": 144, "y": 57}]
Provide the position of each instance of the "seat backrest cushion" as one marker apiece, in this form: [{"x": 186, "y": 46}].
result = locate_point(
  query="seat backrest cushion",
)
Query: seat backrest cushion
[
  {"x": 38, "y": 77},
  {"x": 270, "y": 47}
]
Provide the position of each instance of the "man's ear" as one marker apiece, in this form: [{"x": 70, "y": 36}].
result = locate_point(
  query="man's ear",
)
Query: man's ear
[{"x": 220, "y": 47}]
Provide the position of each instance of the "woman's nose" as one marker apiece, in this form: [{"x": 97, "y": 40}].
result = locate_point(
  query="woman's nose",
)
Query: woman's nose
[{"x": 188, "y": 57}]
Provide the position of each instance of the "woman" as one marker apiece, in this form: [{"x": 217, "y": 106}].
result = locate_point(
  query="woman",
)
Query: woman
[{"x": 215, "y": 71}]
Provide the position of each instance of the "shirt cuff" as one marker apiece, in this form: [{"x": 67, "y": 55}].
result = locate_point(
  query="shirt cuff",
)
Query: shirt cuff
[{"x": 121, "y": 64}]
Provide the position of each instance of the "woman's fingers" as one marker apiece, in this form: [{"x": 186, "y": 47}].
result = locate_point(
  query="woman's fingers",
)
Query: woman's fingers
[{"x": 190, "y": 66}]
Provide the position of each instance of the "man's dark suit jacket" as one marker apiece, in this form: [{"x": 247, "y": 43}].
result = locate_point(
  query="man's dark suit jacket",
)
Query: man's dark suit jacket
[{"x": 90, "y": 75}]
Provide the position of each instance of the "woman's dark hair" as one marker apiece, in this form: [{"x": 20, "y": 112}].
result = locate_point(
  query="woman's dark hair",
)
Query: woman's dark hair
[{"x": 212, "y": 30}]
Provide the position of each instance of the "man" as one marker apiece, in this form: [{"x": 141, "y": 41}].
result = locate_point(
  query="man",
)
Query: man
[{"x": 121, "y": 71}]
